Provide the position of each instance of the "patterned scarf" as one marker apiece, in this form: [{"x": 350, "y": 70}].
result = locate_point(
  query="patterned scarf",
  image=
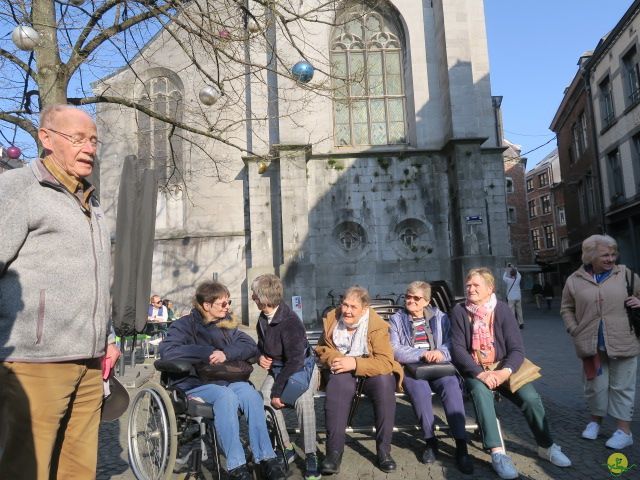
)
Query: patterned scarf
[
  {"x": 482, "y": 340},
  {"x": 352, "y": 345}
]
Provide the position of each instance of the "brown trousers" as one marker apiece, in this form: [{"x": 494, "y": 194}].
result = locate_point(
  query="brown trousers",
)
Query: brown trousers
[{"x": 50, "y": 416}]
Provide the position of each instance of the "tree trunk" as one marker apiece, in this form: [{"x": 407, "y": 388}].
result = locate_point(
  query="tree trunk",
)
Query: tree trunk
[{"x": 51, "y": 73}]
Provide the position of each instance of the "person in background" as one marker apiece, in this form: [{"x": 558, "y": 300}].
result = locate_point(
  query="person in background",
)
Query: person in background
[
  {"x": 157, "y": 311},
  {"x": 210, "y": 335},
  {"x": 547, "y": 291},
  {"x": 282, "y": 342},
  {"x": 355, "y": 346},
  {"x": 55, "y": 304},
  {"x": 593, "y": 310},
  {"x": 538, "y": 294},
  {"x": 483, "y": 332},
  {"x": 511, "y": 278},
  {"x": 422, "y": 333},
  {"x": 168, "y": 304}
]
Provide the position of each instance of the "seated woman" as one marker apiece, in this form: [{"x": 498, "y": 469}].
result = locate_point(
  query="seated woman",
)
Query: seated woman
[
  {"x": 283, "y": 343},
  {"x": 422, "y": 333},
  {"x": 355, "y": 343},
  {"x": 485, "y": 331},
  {"x": 208, "y": 335}
]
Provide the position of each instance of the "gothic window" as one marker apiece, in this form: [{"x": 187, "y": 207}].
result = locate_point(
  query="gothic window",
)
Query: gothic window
[
  {"x": 351, "y": 236},
  {"x": 157, "y": 148},
  {"x": 368, "y": 80}
]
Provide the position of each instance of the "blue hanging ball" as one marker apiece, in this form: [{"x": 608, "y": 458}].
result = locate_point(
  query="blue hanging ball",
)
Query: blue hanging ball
[{"x": 303, "y": 71}]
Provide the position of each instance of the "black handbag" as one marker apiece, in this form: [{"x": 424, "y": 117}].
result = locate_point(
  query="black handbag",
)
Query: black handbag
[
  {"x": 429, "y": 371},
  {"x": 632, "y": 313},
  {"x": 229, "y": 371}
]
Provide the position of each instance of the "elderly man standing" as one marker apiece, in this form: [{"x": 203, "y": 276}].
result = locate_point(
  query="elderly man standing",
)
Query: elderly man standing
[{"x": 54, "y": 305}]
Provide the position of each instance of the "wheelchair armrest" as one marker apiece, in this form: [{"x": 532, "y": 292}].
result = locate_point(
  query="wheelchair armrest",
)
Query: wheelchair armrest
[{"x": 173, "y": 366}]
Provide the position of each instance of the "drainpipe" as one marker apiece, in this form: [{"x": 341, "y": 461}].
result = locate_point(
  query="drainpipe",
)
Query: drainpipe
[{"x": 587, "y": 86}]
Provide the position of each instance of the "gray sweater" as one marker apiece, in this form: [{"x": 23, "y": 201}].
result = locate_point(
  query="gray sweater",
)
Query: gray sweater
[{"x": 54, "y": 271}]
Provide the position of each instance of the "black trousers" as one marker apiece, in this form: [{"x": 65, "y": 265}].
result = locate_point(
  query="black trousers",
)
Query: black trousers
[{"x": 340, "y": 390}]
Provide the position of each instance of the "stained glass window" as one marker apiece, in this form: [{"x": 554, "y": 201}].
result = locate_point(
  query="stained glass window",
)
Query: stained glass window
[{"x": 367, "y": 72}]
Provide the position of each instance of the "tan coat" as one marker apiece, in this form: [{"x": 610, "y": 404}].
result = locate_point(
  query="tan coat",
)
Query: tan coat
[
  {"x": 585, "y": 302},
  {"x": 380, "y": 360}
]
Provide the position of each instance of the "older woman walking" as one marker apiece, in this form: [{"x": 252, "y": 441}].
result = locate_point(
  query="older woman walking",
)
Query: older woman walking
[
  {"x": 484, "y": 331},
  {"x": 355, "y": 343},
  {"x": 593, "y": 310}
]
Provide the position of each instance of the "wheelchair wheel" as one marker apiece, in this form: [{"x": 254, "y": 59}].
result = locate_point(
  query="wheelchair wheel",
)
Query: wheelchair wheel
[{"x": 152, "y": 434}]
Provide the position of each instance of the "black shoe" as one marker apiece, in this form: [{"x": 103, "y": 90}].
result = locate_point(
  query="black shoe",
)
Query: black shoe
[
  {"x": 386, "y": 463},
  {"x": 521, "y": 326},
  {"x": 240, "y": 473},
  {"x": 311, "y": 467},
  {"x": 463, "y": 459},
  {"x": 273, "y": 469},
  {"x": 430, "y": 451},
  {"x": 331, "y": 463}
]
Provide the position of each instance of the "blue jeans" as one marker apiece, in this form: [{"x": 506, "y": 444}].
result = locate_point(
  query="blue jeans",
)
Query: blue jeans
[{"x": 226, "y": 401}]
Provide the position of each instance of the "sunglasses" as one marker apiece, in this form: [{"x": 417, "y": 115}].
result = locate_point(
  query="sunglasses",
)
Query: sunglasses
[
  {"x": 415, "y": 298},
  {"x": 222, "y": 304}
]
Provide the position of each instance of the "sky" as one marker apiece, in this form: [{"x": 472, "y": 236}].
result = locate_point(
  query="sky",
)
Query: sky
[{"x": 534, "y": 46}]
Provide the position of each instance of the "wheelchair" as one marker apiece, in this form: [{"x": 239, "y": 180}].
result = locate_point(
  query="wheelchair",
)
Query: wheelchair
[{"x": 168, "y": 431}]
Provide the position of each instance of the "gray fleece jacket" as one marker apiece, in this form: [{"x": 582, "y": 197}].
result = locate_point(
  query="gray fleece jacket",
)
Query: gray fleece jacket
[{"x": 54, "y": 271}]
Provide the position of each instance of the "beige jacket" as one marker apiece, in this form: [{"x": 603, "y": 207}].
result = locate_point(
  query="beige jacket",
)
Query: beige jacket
[
  {"x": 585, "y": 302},
  {"x": 380, "y": 360}
]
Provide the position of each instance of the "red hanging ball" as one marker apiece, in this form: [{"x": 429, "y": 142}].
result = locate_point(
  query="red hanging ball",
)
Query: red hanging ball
[{"x": 13, "y": 152}]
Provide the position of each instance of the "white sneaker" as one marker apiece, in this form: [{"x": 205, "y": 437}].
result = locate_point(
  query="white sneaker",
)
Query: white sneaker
[
  {"x": 591, "y": 431},
  {"x": 503, "y": 466},
  {"x": 554, "y": 455},
  {"x": 619, "y": 440}
]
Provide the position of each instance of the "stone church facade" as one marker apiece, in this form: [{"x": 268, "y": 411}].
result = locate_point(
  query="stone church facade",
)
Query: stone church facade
[{"x": 395, "y": 176}]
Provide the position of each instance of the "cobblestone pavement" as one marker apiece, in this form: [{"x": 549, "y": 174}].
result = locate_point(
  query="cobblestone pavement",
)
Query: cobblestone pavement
[{"x": 561, "y": 389}]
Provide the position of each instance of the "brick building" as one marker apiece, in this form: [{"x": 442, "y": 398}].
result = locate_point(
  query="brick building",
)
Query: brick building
[
  {"x": 517, "y": 212},
  {"x": 547, "y": 218}
]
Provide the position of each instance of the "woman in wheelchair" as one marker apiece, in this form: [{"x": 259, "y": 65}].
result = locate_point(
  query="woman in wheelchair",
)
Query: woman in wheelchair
[{"x": 208, "y": 335}]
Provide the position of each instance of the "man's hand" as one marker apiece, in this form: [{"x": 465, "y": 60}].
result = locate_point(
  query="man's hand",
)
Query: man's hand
[
  {"x": 343, "y": 365},
  {"x": 433, "y": 356},
  {"x": 277, "y": 403},
  {"x": 265, "y": 362},
  {"x": 217, "y": 356},
  {"x": 110, "y": 359}
]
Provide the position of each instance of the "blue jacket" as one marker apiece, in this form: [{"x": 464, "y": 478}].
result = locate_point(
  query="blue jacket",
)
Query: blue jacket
[
  {"x": 190, "y": 339},
  {"x": 508, "y": 340},
  {"x": 401, "y": 331}
]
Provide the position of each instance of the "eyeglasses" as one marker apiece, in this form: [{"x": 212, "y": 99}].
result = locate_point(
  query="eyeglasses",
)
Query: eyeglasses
[
  {"x": 415, "y": 298},
  {"x": 77, "y": 141}
]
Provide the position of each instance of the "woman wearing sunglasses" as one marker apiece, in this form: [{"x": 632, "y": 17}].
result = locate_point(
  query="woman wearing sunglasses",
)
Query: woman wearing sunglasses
[{"x": 420, "y": 332}]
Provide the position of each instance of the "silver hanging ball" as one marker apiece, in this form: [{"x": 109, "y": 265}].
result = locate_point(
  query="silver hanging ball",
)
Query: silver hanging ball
[
  {"x": 209, "y": 95},
  {"x": 25, "y": 37}
]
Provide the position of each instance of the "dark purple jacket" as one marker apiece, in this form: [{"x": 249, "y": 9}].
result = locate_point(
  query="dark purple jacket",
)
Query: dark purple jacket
[
  {"x": 508, "y": 341},
  {"x": 189, "y": 339},
  {"x": 284, "y": 340}
]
